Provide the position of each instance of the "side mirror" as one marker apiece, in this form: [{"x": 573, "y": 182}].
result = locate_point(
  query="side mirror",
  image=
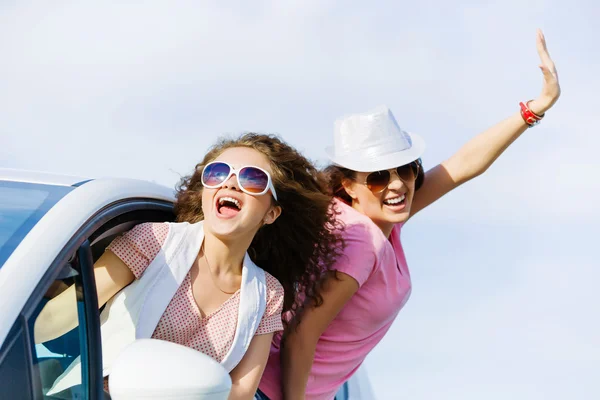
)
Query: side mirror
[{"x": 156, "y": 369}]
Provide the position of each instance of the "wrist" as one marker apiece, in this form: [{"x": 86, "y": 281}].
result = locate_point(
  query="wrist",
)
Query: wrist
[
  {"x": 529, "y": 117},
  {"x": 538, "y": 106}
]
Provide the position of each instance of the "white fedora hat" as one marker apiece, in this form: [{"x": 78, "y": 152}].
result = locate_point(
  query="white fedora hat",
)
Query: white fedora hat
[{"x": 373, "y": 141}]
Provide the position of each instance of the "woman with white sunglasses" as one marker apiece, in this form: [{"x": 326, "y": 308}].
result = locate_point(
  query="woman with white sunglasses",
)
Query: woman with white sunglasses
[
  {"x": 196, "y": 282},
  {"x": 379, "y": 183}
]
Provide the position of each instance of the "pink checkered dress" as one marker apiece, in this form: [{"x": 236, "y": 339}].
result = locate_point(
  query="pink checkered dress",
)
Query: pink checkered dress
[{"x": 182, "y": 322}]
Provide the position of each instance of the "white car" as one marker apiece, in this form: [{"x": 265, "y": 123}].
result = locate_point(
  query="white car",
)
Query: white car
[{"x": 52, "y": 229}]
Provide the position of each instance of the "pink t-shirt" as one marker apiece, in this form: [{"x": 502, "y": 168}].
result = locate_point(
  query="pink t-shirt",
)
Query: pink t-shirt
[{"x": 379, "y": 266}]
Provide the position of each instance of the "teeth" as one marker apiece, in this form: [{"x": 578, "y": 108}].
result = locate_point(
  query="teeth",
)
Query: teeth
[
  {"x": 229, "y": 199},
  {"x": 396, "y": 200}
]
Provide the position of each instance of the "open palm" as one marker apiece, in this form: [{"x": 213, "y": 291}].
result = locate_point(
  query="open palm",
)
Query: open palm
[{"x": 551, "y": 88}]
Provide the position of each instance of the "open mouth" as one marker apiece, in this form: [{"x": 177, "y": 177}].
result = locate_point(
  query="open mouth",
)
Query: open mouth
[
  {"x": 395, "y": 201},
  {"x": 228, "y": 206}
]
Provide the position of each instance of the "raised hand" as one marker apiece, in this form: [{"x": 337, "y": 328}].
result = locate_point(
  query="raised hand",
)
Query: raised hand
[{"x": 551, "y": 88}]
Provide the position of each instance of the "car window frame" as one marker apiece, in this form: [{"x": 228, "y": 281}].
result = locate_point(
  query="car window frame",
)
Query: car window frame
[
  {"x": 18, "y": 336},
  {"x": 78, "y": 252}
]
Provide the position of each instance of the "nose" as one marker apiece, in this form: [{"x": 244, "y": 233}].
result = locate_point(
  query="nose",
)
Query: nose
[
  {"x": 231, "y": 183},
  {"x": 395, "y": 181}
]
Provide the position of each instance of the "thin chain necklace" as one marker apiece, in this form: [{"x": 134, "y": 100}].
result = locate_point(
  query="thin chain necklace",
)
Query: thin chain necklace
[{"x": 211, "y": 273}]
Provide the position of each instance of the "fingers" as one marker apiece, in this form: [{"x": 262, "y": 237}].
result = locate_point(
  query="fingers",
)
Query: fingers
[
  {"x": 541, "y": 45},
  {"x": 543, "y": 52},
  {"x": 551, "y": 87},
  {"x": 542, "y": 39}
]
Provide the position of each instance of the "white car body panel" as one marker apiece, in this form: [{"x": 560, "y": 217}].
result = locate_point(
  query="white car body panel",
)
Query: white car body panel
[
  {"x": 17, "y": 175},
  {"x": 28, "y": 263},
  {"x": 359, "y": 386}
]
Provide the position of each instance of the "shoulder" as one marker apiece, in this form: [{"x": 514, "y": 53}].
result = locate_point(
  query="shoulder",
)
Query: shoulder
[
  {"x": 149, "y": 231},
  {"x": 364, "y": 244},
  {"x": 275, "y": 290},
  {"x": 140, "y": 245},
  {"x": 271, "y": 320},
  {"x": 358, "y": 229}
]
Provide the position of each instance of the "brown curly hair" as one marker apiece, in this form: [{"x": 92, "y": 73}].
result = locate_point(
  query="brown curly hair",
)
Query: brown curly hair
[
  {"x": 303, "y": 243},
  {"x": 336, "y": 175}
]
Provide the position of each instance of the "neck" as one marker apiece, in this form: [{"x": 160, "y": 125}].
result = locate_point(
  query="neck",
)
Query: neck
[
  {"x": 225, "y": 257},
  {"x": 386, "y": 227}
]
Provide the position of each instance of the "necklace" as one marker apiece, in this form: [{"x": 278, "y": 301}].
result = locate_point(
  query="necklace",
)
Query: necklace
[{"x": 211, "y": 273}]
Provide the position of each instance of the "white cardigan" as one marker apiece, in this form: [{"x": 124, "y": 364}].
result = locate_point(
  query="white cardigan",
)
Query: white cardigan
[{"x": 135, "y": 311}]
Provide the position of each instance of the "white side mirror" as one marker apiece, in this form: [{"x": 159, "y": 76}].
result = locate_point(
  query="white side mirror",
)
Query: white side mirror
[{"x": 156, "y": 369}]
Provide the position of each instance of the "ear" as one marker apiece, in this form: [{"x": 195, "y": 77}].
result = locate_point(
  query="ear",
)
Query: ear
[
  {"x": 348, "y": 185},
  {"x": 273, "y": 213}
]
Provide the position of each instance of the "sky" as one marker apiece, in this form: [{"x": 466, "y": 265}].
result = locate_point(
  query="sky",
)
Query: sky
[{"x": 504, "y": 301}]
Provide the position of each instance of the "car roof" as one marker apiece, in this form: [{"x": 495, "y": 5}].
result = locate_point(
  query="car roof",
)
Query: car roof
[
  {"x": 46, "y": 178},
  {"x": 47, "y": 238}
]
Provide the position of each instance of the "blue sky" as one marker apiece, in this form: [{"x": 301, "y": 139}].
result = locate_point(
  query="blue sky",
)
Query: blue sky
[{"x": 504, "y": 303}]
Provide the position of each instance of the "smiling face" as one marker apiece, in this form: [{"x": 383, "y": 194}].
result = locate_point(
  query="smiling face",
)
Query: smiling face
[
  {"x": 387, "y": 208},
  {"x": 230, "y": 213}
]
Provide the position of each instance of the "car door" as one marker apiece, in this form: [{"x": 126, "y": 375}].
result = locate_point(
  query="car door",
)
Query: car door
[{"x": 29, "y": 362}]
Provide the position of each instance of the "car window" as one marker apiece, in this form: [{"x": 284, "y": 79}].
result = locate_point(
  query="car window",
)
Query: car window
[
  {"x": 58, "y": 337},
  {"x": 22, "y": 205},
  {"x": 61, "y": 326}
]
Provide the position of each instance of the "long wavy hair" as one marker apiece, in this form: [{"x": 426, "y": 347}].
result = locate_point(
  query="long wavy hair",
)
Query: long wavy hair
[
  {"x": 302, "y": 245},
  {"x": 336, "y": 175}
]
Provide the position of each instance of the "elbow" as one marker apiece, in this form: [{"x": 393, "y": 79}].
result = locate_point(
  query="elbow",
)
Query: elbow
[
  {"x": 40, "y": 326},
  {"x": 472, "y": 174},
  {"x": 480, "y": 171},
  {"x": 37, "y": 335},
  {"x": 463, "y": 169}
]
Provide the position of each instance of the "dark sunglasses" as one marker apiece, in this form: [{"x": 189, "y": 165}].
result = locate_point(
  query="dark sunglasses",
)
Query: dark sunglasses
[
  {"x": 252, "y": 180},
  {"x": 378, "y": 181}
]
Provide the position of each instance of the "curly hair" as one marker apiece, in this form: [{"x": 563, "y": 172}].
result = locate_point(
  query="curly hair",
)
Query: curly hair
[
  {"x": 336, "y": 175},
  {"x": 302, "y": 245}
]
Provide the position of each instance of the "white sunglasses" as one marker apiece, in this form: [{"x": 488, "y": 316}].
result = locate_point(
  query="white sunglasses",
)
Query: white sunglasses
[{"x": 252, "y": 180}]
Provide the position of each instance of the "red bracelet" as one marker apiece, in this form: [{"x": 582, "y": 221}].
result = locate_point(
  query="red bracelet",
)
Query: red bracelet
[{"x": 530, "y": 118}]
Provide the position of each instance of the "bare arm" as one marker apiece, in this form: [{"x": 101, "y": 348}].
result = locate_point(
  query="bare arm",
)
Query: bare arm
[
  {"x": 300, "y": 343},
  {"x": 59, "y": 315},
  {"x": 475, "y": 157},
  {"x": 245, "y": 377}
]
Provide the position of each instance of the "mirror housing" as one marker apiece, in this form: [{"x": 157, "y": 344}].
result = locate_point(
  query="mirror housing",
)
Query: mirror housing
[{"x": 157, "y": 369}]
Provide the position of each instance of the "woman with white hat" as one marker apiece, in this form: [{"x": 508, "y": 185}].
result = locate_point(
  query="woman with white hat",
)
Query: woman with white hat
[{"x": 379, "y": 183}]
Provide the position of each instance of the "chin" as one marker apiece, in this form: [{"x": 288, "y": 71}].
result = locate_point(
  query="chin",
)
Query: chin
[
  {"x": 397, "y": 217},
  {"x": 219, "y": 227},
  {"x": 231, "y": 230},
  {"x": 400, "y": 218}
]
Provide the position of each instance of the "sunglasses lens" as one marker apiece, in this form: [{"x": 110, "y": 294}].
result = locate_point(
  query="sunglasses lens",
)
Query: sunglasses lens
[
  {"x": 408, "y": 172},
  {"x": 215, "y": 174},
  {"x": 253, "y": 180},
  {"x": 377, "y": 181}
]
